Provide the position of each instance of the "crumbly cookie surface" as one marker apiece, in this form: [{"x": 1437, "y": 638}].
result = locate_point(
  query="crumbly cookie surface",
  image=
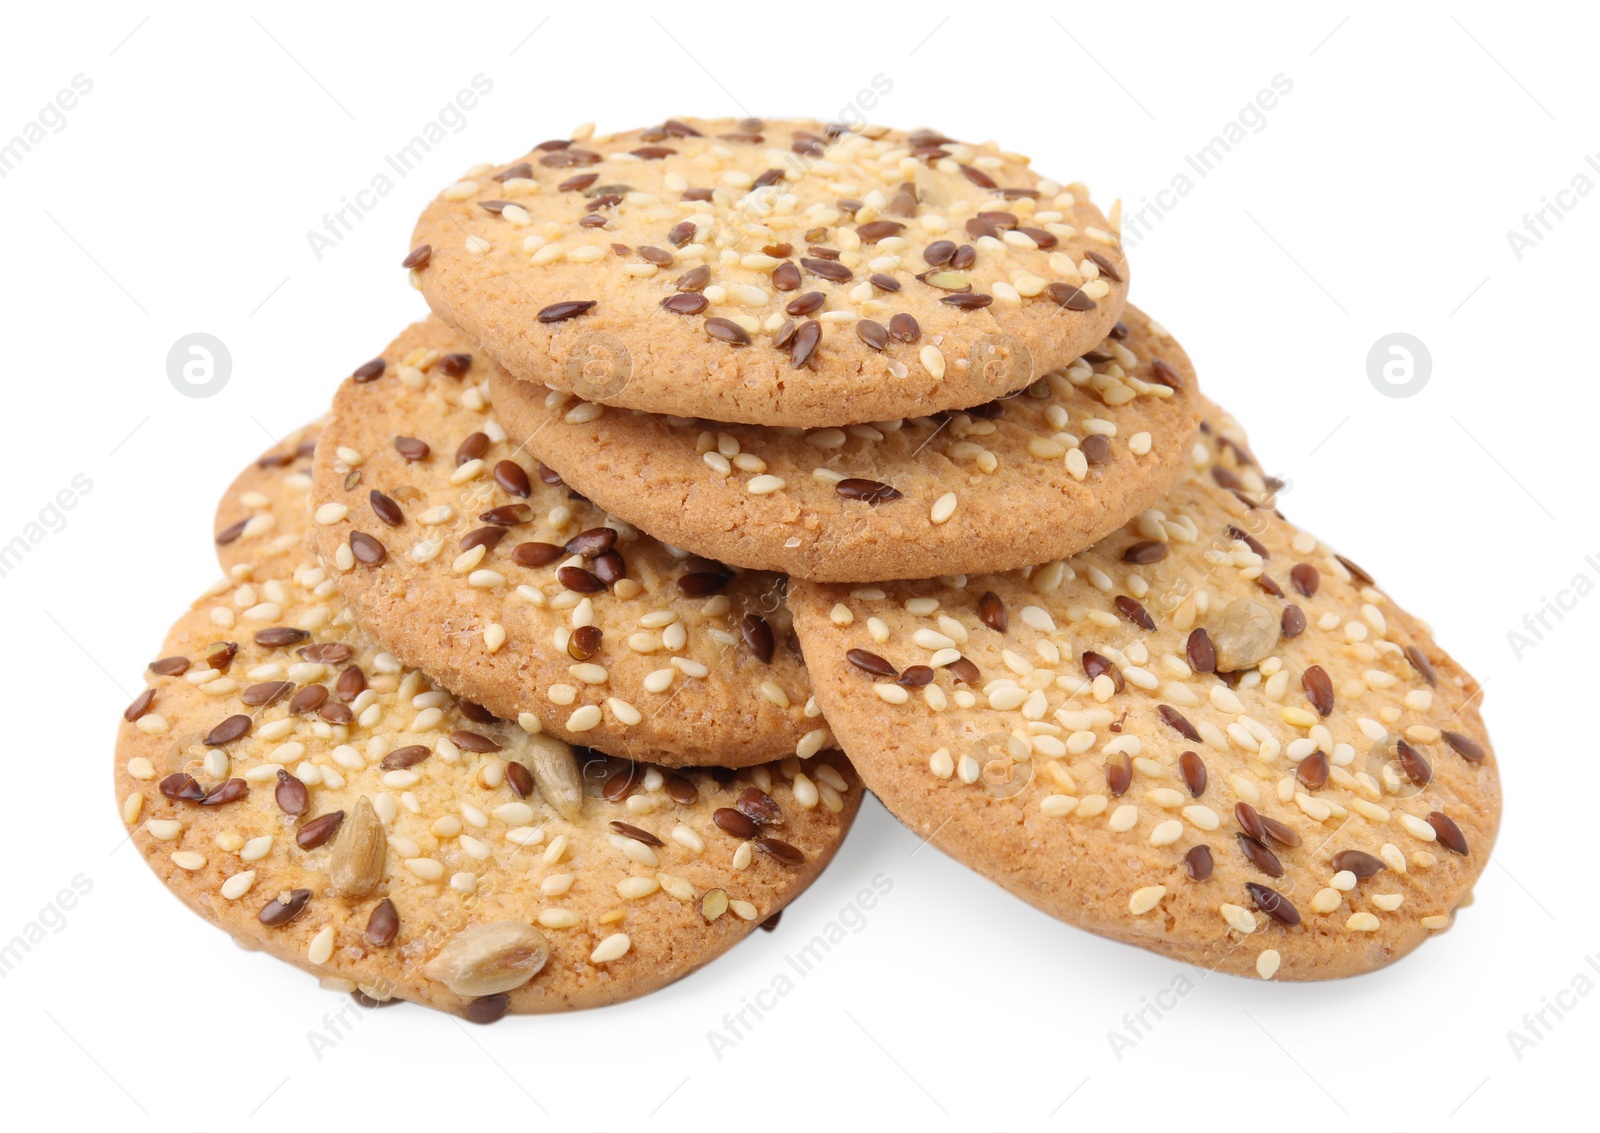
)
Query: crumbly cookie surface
[
  {"x": 1208, "y": 735},
  {"x": 296, "y": 785},
  {"x": 471, "y": 562},
  {"x": 1042, "y": 473},
  {"x": 260, "y": 520},
  {"x": 781, "y": 273}
]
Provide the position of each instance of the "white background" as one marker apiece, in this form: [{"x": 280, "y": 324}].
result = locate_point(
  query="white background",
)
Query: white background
[{"x": 1376, "y": 198}]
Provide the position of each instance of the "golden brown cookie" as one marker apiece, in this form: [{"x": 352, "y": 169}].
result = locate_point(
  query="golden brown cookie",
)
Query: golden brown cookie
[
  {"x": 1207, "y": 735},
  {"x": 779, "y": 273},
  {"x": 471, "y": 562},
  {"x": 1042, "y": 473},
  {"x": 260, "y": 521},
  {"x": 293, "y": 783}
]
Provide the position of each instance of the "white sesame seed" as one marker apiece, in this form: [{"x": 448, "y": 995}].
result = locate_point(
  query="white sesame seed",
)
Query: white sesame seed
[
  {"x": 1372, "y": 812},
  {"x": 1239, "y": 919},
  {"x": 1267, "y": 963},
  {"x": 1417, "y": 828},
  {"x": 812, "y": 742},
  {"x": 1007, "y": 698},
  {"x": 676, "y": 886},
  {"x": 425, "y": 868},
  {"x": 1145, "y": 899},
  {"x": 1092, "y": 805},
  {"x": 625, "y": 713},
  {"x": 320, "y": 950},
  {"x": 1057, "y": 806},
  {"x": 635, "y": 888},
  {"x": 584, "y": 719},
  {"x": 238, "y": 885},
  {"x": 1326, "y": 900},
  {"x": 943, "y": 508}
]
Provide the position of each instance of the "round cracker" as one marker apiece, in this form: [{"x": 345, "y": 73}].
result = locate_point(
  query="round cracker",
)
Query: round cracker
[
  {"x": 713, "y": 679},
  {"x": 459, "y": 847},
  {"x": 559, "y": 263},
  {"x": 992, "y": 489},
  {"x": 1090, "y": 689}
]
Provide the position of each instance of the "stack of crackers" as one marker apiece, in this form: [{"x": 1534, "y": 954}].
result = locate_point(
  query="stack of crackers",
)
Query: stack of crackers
[{"x": 741, "y": 467}]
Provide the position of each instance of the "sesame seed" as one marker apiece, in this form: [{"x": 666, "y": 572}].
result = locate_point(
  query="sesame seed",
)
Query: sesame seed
[
  {"x": 1145, "y": 899},
  {"x": 1417, "y": 828},
  {"x": 320, "y": 950},
  {"x": 1166, "y": 833},
  {"x": 1239, "y": 918}
]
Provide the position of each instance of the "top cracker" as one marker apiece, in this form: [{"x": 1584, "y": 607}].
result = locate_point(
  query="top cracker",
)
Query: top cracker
[{"x": 778, "y": 273}]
